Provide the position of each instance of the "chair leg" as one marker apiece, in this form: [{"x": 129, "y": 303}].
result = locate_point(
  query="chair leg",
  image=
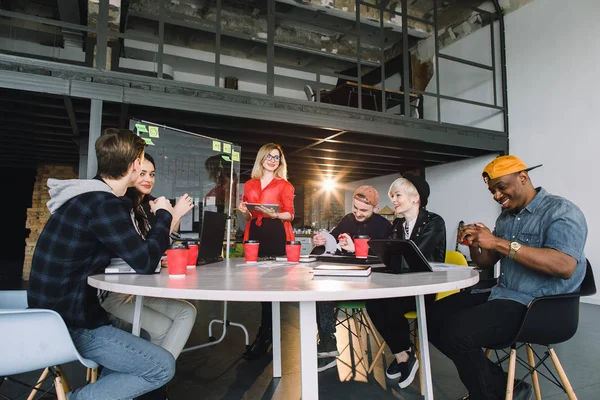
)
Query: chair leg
[
  {"x": 372, "y": 329},
  {"x": 418, "y": 355},
  {"x": 359, "y": 336},
  {"x": 562, "y": 375},
  {"x": 94, "y": 375},
  {"x": 488, "y": 353},
  {"x": 534, "y": 375},
  {"x": 376, "y": 358},
  {"x": 510, "y": 381},
  {"x": 61, "y": 385},
  {"x": 38, "y": 384}
]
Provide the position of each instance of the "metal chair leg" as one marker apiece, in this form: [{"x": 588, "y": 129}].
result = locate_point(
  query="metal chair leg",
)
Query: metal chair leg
[
  {"x": 510, "y": 381},
  {"x": 38, "y": 384},
  {"x": 534, "y": 375},
  {"x": 562, "y": 375},
  {"x": 418, "y": 355}
]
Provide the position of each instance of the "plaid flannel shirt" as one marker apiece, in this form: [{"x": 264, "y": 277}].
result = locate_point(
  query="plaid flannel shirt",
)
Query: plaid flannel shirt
[{"x": 79, "y": 240}]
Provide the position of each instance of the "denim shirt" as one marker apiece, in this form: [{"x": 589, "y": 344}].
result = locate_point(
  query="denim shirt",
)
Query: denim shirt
[{"x": 548, "y": 221}]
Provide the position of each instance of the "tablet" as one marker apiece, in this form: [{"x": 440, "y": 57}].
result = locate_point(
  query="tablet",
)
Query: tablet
[
  {"x": 254, "y": 206},
  {"x": 400, "y": 256}
]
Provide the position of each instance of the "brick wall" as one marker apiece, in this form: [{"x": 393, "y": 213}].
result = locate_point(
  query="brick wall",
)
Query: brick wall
[{"x": 38, "y": 214}]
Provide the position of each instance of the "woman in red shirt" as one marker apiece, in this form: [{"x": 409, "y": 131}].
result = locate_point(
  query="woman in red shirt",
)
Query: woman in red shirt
[{"x": 268, "y": 185}]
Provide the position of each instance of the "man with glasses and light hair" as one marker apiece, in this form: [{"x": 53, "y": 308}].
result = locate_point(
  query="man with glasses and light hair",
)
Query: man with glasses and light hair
[{"x": 363, "y": 220}]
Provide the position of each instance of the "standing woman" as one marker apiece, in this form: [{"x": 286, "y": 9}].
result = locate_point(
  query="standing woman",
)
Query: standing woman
[
  {"x": 427, "y": 230},
  {"x": 268, "y": 185}
]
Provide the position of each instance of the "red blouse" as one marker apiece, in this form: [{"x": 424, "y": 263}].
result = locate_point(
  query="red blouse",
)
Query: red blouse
[{"x": 278, "y": 191}]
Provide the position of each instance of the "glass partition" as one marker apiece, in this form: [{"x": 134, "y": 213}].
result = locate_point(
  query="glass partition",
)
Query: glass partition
[{"x": 206, "y": 168}]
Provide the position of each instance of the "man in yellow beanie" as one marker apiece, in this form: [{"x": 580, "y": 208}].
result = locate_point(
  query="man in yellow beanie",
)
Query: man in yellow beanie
[{"x": 539, "y": 240}]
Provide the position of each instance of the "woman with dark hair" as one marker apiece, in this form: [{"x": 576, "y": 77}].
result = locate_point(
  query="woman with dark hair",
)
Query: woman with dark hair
[
  {"x": 268, "y": 185},
  {"x": 167, "y": 321}
]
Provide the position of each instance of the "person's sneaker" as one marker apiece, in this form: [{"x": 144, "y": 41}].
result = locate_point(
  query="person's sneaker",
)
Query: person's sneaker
[
  {"x": 324, "y": 364},
  {"x": 393, "y": 370},
  {"x": 408, "y": 370},
  {"x": 327, "y": 347}
]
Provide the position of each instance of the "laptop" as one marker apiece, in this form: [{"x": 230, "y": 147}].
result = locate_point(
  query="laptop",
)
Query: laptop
[
  {"x": 399, "y": 256},
  {"x": 211, "y": 237}
]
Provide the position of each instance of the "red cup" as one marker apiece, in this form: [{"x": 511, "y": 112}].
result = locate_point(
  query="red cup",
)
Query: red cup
[
  {"x": 177, "y": 257},
  {"x": 192, "y": 255},
  {"x": 251, "y": 250},
  {"x": 292, "y": 251},
  {"x": 361, "y": 246}
]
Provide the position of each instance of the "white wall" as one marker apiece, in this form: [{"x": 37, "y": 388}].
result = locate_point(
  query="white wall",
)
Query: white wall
[
  {"x": 467, "y": 82},
  {"x": 553, "y": 58},
  {"x": 381, "y": 184},
  {"x": 459, "y": 194}
]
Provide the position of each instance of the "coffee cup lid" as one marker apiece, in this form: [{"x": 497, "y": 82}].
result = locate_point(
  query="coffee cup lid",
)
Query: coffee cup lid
[
  {"x": 178, "y": 245},
  {"x": 293, "y": 242},
  {"x": 251, "y": 242},
  {"x": 361, "y": 237}
]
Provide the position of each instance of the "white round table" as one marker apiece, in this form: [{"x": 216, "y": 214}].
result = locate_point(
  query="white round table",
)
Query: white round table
[{"x": 282, "y": 282}]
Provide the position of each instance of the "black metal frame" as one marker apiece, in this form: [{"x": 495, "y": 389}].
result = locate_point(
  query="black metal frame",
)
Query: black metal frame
[{"x": 102, "y": 33}]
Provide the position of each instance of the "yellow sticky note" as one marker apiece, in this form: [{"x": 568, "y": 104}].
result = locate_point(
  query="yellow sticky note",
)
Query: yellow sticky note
[
  {"x": 216, "y": 145},
  {"x": 148, "y": 141},
  {"x": 153, "y": 131},
  {"x": 141, "y": 128},
  {"x": 227, "y": 148},
  {"x": 235, "y": 156}
]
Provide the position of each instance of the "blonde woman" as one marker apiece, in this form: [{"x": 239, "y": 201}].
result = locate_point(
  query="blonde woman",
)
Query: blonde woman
[
  {"x": 427, "y": 230},
  {"x": 268, "y": 185}
]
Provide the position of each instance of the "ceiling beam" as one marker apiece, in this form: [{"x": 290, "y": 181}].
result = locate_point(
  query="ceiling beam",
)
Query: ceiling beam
[{"x": 71, "y": 114}]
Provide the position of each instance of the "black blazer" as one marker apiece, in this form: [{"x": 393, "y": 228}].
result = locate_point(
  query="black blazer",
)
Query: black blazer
[{"x": 429, "y": 234}]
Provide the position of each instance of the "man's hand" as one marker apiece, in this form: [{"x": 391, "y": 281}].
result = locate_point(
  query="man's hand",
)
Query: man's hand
[
  {"x": 477, "y": 235},
  {"x": 161, "y": 203},
  {"x": 346, "y": 243},
  {"x": 182, "y": 207},
  {"x": 319, "y": 240}
]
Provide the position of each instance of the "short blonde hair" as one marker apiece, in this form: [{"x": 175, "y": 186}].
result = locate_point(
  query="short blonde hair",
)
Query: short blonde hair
[
  {"x": 403, "y": 185},
  {"x": 258, "y": 170}
]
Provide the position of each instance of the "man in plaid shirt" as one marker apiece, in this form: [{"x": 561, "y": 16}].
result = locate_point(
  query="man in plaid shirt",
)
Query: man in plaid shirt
[{"x": 91, "y": 223}]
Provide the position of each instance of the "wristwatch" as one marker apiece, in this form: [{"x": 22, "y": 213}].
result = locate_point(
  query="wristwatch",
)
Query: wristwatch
[{"x": 514, "y": 247}]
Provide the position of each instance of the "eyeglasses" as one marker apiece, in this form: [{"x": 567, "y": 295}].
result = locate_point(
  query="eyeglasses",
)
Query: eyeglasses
[
  {"x": 362, "y": 198},
  {"x": 269, "y": 157}
]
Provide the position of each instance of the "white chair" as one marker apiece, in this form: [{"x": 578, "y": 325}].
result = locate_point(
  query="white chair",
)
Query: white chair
[{"x": 33, "y": 339}]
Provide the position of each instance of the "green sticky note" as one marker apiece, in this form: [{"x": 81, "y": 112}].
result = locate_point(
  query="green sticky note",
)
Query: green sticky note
[
  {"x": 235, "y": 156},
  {"x": 148, "y": 141},
  {"x": 153, "y": 131},
  {"x": 227, "y": 148},
  {"x": 216, "y": 145},
  {"x": 141, "y": 128},
  {"x": 226, "y": 158}
]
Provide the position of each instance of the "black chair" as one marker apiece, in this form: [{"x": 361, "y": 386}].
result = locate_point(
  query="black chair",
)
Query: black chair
[{"x": 549, "y": 320}]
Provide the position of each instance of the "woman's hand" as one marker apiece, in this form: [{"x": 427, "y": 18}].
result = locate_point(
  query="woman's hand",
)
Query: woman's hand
[
  {"x": 182, "y": 207},
  {"x": 346, "y": 243},
  {"x": 244, "y": 210},
  {"x": 319, "y": 239},
  {"x": 161, "y": 203},
  {"x": 268, "y": 211}
]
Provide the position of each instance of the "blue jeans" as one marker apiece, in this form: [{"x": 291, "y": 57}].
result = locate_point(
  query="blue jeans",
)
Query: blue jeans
[{"x": 132, "y": 366}]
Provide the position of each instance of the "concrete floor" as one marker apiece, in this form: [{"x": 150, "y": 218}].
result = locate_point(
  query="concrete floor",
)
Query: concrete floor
[{"x": 219, "y": 372}]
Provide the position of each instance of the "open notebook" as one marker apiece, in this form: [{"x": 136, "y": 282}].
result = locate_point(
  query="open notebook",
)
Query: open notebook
[{"x": 118, "y": 266}]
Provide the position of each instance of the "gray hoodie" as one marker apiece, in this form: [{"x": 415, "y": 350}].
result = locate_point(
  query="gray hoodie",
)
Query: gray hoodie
[{"x": 62, "y": 191}]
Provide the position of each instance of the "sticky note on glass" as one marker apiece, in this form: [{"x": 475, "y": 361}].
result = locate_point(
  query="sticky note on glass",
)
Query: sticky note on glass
[
  {"x": 216, "y": 145},
  {"x": 235, "y": 156},
  {"x": 227, "y": 148},
  {"x": 148, "y": 141},
  {"x": 141, "y": 128},
  {"x": 153, "y": 131}
]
